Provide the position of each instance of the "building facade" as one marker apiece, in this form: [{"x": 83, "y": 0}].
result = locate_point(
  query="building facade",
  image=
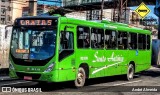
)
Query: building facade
[
  {"x": 10, "y": 10},
  {"x": 17, "y": 8},
  {"x": 5, "y": 12}
]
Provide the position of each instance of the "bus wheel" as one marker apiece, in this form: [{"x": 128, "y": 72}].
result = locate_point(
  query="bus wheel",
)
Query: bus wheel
[
  {"x": 81, "y": 77},
  {"x": 130, "y": 72}
]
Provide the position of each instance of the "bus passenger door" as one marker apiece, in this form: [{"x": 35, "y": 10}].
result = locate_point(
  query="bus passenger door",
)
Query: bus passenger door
[{"x": 66, "y": 56}]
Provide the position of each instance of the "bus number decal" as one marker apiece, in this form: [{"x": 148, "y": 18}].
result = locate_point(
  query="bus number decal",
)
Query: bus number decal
[{"x": 84, "y": 58}]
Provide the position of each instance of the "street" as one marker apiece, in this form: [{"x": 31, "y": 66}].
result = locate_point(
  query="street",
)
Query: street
[{"x": 116, "y": 85}]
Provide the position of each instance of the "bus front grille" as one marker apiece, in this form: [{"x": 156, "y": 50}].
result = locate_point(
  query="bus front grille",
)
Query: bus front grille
[{"x": 34, "y": 76}]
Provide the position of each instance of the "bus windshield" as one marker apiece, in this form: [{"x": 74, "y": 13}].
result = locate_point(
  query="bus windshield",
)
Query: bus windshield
[{"x": 35, "y": 44}]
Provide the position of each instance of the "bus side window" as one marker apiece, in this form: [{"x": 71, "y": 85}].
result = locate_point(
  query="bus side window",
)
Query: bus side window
[
  {"x": 66, "y": 40},
  {"x": 142, "y": 41},
  {"x": 130, "y": 45},
  {"x": 107, "y": 37},
  {"x": 101, "y": 38},
  {"x": 132, "y": 41},
  {"x": 83, "y": 37},
  {"x": 66, "y": 45},
  {"x": 122, "y": 40},
  {"x": 97, "y": 38},
  {"x": 110, "y": 39}
]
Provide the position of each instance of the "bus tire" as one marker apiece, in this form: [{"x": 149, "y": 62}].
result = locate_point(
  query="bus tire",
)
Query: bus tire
[
  {"x": 130, "y": 72},
  {"x": 80, "y": 77}
]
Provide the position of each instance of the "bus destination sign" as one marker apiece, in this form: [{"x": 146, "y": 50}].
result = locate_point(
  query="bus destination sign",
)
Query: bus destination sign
[{"x": 35, "y": 22}]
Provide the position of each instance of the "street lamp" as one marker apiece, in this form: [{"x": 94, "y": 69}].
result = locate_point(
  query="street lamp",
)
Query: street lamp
[{"x": 102, "y": 5}]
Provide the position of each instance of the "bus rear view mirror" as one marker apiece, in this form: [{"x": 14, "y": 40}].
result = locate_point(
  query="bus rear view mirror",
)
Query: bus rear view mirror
[{"x": 8, "y": 30}]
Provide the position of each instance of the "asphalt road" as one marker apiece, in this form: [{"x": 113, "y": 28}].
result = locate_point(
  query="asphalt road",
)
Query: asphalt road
[{"x": 144, "y": 83}]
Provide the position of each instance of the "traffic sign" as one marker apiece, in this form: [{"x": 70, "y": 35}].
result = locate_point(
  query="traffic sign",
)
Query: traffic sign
[{"x": 142, "y": 10}]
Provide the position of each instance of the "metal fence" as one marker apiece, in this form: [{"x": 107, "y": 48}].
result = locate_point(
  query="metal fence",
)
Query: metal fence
[{"x": 78, "y": 2}]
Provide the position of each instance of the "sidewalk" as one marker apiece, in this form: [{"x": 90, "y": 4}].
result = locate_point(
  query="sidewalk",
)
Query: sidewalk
[
  {"x": 4, "y": 74},
  {"x": 155, "y": 68},
  {"x": 4, "y": 71}
]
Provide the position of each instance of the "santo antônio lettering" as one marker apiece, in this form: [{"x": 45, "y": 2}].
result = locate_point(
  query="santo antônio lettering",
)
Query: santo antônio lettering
[
  {"x": 142, "y": 10},
  {"x": 35, "y": 22}
]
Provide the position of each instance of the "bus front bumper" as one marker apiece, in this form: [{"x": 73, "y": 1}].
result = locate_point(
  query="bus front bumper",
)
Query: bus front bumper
[{"x": 35, "y": 76}]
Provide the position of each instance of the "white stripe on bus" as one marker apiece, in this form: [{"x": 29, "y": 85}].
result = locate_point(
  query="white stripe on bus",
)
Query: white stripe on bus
[{"x": 105, "y": 67}]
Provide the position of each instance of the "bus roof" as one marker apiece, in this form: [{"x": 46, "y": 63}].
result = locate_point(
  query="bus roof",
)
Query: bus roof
[
  {"x": 105, "y": 25},
  {"x": 98, "y": 24}
]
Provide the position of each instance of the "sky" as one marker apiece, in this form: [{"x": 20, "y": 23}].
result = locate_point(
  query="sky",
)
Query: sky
[
  {"x": 151, "y": 7},
  {"x": 49, "y": 2}
]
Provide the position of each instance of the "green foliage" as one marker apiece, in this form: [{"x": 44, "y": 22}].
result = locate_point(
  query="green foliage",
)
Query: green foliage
[
  {"x": 56, "y": 11},
  {"x": 156, "y": 27}
]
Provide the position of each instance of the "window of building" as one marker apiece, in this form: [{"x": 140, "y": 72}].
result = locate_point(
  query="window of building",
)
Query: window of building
[
  {"x": 2, "y": 0},
  {"x": 97, "y": 38},
  {"x": 9, "y": 18},
  {"x": 83, "y": 37},
  {"x": 110, "y": 39},
  {"x": 2, "y": 11},
  {"x": 2, "y": 20},
  {"x": 2, "y": 6}
]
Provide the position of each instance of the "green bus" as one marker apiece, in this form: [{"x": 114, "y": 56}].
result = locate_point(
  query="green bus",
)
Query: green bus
[{"x": 57, "y": 49}]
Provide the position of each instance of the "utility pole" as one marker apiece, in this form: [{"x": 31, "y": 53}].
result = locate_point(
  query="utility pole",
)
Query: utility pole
[
  {"x": 33, "y": 7},
  {"x": 102, "y": 5},
  {"x": 5, "y": 16}
]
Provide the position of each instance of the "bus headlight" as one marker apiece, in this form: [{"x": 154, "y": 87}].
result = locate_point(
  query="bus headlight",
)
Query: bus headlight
[
  {"x": 50, "y": 67},
  {"x": 11, "y": 66}
]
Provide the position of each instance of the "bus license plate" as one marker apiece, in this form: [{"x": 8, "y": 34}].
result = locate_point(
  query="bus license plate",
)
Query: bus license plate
[{"x": 27, "y": 78}]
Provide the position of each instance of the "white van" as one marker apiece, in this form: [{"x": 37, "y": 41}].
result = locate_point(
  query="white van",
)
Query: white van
[{"x": 5, "y": 34}]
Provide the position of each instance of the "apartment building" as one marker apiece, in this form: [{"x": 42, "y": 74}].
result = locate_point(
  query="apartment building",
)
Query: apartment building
[
  {"x": 17, "y": 7},
  {"x": 10, "y": 10},
  {"x": 5, "y": 12}
]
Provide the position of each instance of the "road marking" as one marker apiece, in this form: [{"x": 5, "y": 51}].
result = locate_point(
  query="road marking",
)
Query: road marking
[
  {"x": 15, "y": 83},
  {"x": 127, "y": 83}
]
